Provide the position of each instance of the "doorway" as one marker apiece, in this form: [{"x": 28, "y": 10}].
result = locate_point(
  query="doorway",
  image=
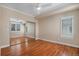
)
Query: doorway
[{"x": 30, "y": 30}]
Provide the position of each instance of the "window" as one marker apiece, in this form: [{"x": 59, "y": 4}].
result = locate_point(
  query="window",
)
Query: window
[
  {"x": 12, "y": 27},
  {"x": 66, "y": 24},
  {"x": 15, "y": 26},
  {"x": 18, "y": 27}
]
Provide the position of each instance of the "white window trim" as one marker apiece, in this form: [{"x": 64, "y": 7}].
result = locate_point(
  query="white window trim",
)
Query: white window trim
[
  {"x": 15, "y": 21},
  {"x": 15, "y": 26},
  {"x": 67, "y": 36}
]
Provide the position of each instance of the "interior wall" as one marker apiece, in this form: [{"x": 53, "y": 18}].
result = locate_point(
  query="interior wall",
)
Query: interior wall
[
  {"x": 5, "y": 15},
  {"x": 49, "y": 27},
  {"x": 0, "y": 26}
]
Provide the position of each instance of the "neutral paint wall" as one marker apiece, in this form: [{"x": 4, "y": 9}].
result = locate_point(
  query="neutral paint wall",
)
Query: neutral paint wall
[
  {"x": 49, "y": 27},
  {"x": 5, "y": 15}
]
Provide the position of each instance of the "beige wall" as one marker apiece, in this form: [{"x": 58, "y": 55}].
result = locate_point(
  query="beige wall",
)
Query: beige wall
[
  {"x": 5, "y": 15},
  {"x": 49, "y": 27}
]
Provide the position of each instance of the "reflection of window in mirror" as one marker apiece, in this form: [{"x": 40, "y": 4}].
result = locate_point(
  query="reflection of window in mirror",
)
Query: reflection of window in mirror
[{"x": 67, "y": 26}]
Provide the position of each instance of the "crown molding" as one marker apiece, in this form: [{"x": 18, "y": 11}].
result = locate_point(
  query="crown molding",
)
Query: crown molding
[
  {"x": 29, "y": 15},
  {"x": 67, "y": 8},
  {"x": 64, "y": 9}
]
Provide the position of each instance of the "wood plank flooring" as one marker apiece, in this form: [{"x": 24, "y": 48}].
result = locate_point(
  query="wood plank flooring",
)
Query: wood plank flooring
[
  {"x": 33, "y": 47},
  {"x": 17, "y": 40}
]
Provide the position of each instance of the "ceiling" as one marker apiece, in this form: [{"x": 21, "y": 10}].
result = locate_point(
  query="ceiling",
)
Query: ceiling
[{"x": 31, "y": 8}]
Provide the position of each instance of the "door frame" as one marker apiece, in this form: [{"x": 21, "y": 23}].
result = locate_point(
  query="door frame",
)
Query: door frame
[{"x": 34, "y": 27}]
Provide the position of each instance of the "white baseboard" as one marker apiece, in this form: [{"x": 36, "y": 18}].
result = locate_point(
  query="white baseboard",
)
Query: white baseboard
[
  {"x": 37, "y": 38},
  {"x": 32, "y": 37},
  {"x": 4, "y": 46},
  {"x": 72, "y": 45}
]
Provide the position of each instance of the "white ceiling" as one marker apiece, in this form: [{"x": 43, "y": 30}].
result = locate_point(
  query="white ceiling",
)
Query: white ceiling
[{"x": 31, "y": 8}]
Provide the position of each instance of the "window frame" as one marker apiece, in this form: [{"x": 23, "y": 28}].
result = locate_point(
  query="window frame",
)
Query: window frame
[
  {"x": 68, "y": 17},
  {"x": 13, "y": 22}
]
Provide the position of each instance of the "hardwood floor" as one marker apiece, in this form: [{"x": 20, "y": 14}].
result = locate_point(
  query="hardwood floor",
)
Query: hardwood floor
[
  {"x": 39, "y": 48},
  {"x": 17, "y": 40}
]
